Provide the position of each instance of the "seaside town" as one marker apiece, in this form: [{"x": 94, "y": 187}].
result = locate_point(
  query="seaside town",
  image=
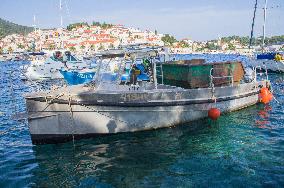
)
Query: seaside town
[{"x": 83, "y": 38}]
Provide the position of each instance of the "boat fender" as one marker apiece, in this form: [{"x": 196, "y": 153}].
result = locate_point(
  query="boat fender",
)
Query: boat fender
[
  {"x": 265, "y": 96},
  {"x": 214, "y": 113}
]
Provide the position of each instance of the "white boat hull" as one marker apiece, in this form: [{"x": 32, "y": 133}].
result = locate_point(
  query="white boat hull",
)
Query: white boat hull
[
  {"x": 270, "y": 65},
  {"x": 50, "y": 69}
]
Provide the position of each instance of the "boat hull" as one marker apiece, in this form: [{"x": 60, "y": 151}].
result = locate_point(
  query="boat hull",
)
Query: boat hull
[
  {"x": 63, "y": 121},
  {"x": 75, "y": 77},
  {"x": 270, "y": 65}
]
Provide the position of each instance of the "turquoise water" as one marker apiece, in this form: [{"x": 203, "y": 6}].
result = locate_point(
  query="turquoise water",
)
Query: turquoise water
[{"x": 241, "y": 149}]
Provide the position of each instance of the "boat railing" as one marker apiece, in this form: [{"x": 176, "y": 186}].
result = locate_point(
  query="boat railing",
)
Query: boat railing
[
  {"x": 219, "y": 77},
  {"x": 260, "y": 73},
  {"x": 161, "y": 74}
]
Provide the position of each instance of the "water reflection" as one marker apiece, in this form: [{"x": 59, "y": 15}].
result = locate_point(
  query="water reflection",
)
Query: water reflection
[
  {"x": 262, "y": 120},
  {"x": 121, "y": 160},
  {"x": 182, "y": 156}
]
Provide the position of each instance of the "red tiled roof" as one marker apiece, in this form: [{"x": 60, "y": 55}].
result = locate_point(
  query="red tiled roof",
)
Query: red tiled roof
[{"x": 70, "y": 45}]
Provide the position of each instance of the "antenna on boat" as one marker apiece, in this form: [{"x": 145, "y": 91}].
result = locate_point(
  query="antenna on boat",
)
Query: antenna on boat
[
  {"x": 264, "y": 24},
  {"x": 252, "y": 25}
]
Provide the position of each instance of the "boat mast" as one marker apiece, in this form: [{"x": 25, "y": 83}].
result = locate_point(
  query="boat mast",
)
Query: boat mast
[
  {"x": 35, "y": 33},
  {"x": 61, "y": 24},
  {"x": 252, "y": 25},
  {"x": 264, "y": 25},
  {"x": 34, "y": 22}
]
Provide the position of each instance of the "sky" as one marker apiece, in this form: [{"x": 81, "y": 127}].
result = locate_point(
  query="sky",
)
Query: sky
[{"x": 194, "y": 19}]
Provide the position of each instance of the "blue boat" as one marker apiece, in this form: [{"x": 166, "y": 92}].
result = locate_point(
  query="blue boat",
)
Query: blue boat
[
  {"x": 270, "y": 56},
  {"x": 75, "y": 78}
]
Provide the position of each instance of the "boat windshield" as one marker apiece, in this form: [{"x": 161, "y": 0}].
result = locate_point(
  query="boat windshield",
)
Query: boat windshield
[{"x": 117, "y": 69}]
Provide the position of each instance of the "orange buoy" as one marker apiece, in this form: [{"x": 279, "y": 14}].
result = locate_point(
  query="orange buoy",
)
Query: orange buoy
[
  {"x": 265, "y": 96},
  {"x": 214, "y": 113}
]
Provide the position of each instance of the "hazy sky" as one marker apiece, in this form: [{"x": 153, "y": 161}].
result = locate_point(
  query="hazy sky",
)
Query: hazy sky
[{"x": 195, "y": 19}]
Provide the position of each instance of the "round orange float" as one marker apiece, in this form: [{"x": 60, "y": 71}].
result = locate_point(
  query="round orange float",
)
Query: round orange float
[
  {"x": 214, "y": 113},
  {"x": 265, "y": 96}
]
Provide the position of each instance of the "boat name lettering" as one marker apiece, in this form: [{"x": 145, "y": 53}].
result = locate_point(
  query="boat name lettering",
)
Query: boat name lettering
[
  {"x": 85, "y": 76},
  {"x": 134, "y": 97}
]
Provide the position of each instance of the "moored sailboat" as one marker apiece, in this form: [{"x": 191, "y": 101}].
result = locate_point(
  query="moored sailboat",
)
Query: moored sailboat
[{"x": 271, "y": 61}]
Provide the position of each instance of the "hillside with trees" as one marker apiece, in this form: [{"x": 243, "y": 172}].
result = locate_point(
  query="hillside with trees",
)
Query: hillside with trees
[
  {"x": 8, "y": 28},
  {"x": 256, "y": 41},
  {"x": 169, "y": 40},
  {"x": 103, "y": 25}
]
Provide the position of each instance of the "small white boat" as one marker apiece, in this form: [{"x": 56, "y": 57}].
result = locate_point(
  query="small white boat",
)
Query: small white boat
[
  {"x": 273, "y": 62},
  {"x": 43, "y": 67}
]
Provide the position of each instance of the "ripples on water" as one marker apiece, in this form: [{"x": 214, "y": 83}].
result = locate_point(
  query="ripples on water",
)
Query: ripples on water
[{"x": 241, "y": 149}]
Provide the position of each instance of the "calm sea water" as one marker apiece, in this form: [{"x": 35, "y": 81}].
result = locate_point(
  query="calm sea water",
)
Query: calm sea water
[{"x": 241, "y": 149}]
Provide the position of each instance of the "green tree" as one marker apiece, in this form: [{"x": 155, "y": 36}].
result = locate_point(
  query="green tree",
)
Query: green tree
[
  {"x": 72, "y": 49},
  {"x": 106, "y": 26},
  {"x": 20, "y": 46},
  {"x": 168, "y": 40},
  {"x": 211, "y": 46},
  {"x": 74, "y": 25},
  {"x": 183, "y": 44},
  {"x": 51, "y": 47},
  {"x": 200, "y": 49},
  {"x": 1, "y": 50},
  {"x": 93, "y": 47},
  {"x": 82, "y": 47},
  {"x": 231, "y": 47},
  {"x": 96, "y": 23},
  {"x": 101, "y": 47},
  {"x": 10, "y": 50}
]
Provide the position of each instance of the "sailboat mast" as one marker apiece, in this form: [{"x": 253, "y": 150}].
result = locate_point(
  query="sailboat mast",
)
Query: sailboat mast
[
  {"x": 60, "y": 8},
  {"x": 264, "y": 25},
  {"x": 252, "y": 25},
  {"x": 61, "y": 24},
  {"x": 35, "y": 33},
  {"x": 34, "y": 22}
]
